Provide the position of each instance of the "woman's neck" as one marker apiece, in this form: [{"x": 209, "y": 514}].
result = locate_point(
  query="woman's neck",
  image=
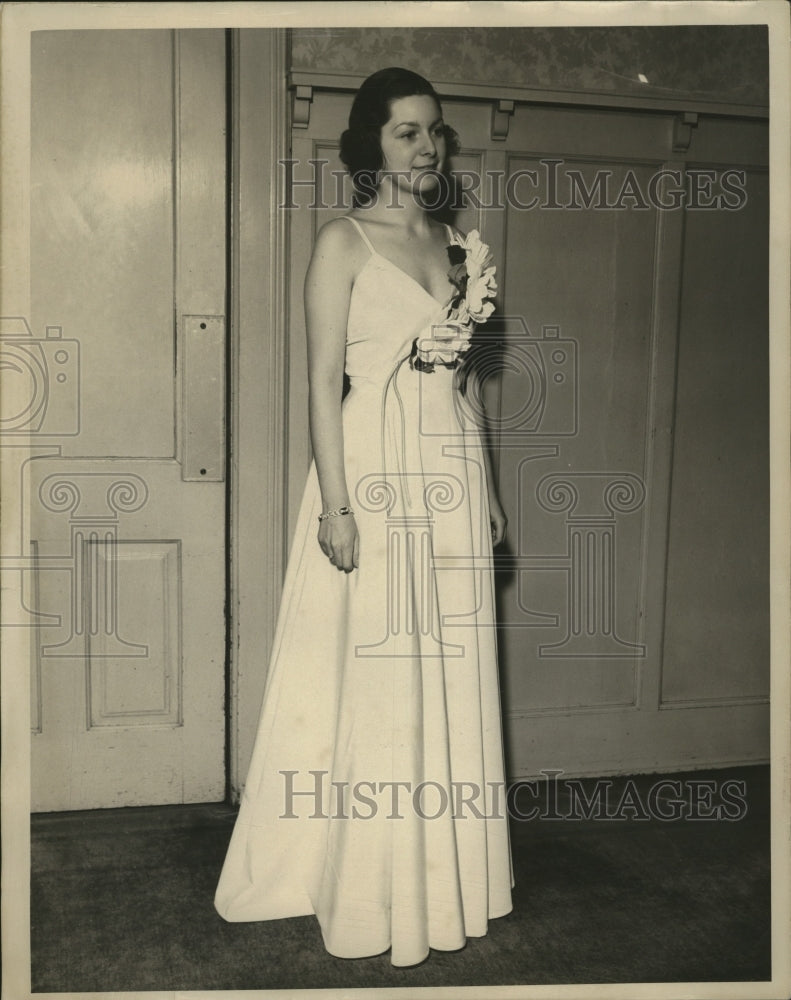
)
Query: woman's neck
[{"x": 399, "y": 208}]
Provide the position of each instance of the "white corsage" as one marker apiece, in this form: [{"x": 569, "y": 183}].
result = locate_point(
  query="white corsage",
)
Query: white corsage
[{"x": 472, "y": 275}]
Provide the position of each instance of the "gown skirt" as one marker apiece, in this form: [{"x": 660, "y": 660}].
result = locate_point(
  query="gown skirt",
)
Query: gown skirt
[{"x": 375, "y": 797}]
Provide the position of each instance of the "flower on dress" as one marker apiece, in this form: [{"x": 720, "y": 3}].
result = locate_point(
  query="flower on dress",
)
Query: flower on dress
[
  {"x": 446, "y": 342},
  {"x": 472, "y": 275},
  {"x": 480, "y": 285}
]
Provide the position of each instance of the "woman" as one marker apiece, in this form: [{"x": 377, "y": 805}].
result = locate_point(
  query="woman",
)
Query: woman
[{"x": 375, "y": 797}]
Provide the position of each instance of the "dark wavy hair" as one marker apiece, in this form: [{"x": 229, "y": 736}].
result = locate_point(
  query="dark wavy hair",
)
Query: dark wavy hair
[{"x": 361, "y": 151}]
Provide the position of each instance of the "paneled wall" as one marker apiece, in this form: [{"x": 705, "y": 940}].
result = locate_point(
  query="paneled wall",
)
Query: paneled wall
[{"x": 669, "y": 312}]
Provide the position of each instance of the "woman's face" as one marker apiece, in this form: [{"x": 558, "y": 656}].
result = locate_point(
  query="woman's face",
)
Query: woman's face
[{"x": 413, "y": 143}]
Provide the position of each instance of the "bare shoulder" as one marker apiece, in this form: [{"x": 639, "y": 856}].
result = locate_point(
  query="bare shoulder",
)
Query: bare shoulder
[
  {"x": 338, "y": 237},
  {"x": 338, "y": 245}
]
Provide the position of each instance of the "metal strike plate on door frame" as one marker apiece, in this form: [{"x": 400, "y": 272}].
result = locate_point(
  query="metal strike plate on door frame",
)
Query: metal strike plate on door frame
[{"x": 203, "y": 399}]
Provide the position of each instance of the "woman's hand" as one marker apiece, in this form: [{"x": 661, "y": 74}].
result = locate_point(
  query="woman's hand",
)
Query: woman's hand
[
  {"x": 340, "y": 541},
  {"x": 498, "y": 520}
]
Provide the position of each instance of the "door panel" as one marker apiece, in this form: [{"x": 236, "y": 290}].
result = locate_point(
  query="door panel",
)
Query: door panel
[
  {"x": 582, "y": 282},
  {"x": 717, "y": 639},
  {"x": 594, "y": 634},
  {"x": 124, "y": 494},
  {"x": 102, "y": 227}
]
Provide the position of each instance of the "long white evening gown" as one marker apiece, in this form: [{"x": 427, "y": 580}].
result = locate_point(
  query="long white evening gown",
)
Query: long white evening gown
[{"x": 386, "y": 674}]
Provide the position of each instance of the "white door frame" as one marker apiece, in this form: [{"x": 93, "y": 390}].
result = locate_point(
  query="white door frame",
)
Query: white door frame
[{"x": 258, "y": 377}]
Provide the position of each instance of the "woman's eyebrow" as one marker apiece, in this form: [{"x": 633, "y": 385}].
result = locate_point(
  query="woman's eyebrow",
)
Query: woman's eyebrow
[{"x": 417, "y": 124}]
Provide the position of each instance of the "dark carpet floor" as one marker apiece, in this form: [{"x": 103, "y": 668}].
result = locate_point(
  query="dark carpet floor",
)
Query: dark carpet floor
[{"x": 122, "y": 900}]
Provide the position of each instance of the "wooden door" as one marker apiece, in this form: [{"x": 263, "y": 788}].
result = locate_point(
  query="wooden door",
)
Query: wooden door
[
  {"x": 123, "y": 497},
  {"x": 584, "y": 403}
]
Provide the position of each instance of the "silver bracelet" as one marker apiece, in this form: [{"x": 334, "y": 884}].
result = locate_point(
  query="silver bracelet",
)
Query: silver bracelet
[{"x": 338, "y": 512}]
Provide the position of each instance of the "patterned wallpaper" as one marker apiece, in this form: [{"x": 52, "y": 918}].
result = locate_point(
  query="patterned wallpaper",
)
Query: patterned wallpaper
[{"x": 711, "y": 62}]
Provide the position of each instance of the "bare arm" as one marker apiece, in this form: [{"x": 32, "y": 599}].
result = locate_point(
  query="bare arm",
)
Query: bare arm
[{"x": 327, "y": 294}]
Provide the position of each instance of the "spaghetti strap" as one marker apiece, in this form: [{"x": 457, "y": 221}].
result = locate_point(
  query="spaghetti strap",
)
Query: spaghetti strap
[{"x": 359, "y": 229}]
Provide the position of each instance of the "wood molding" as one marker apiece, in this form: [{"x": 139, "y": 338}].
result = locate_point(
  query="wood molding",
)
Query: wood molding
[
  {"x": 682, "y": 130},
  {"x": 536, "y": 95},
  {"x": 660, "y": 421},
  {"x": 673, "y": 704},
  {"x": 258, "y": 378},
  {"x": 740, "y": 736}
]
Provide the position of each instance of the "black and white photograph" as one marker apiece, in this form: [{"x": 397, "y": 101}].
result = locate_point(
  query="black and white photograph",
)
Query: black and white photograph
[{"x": 395, "y": 468}]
